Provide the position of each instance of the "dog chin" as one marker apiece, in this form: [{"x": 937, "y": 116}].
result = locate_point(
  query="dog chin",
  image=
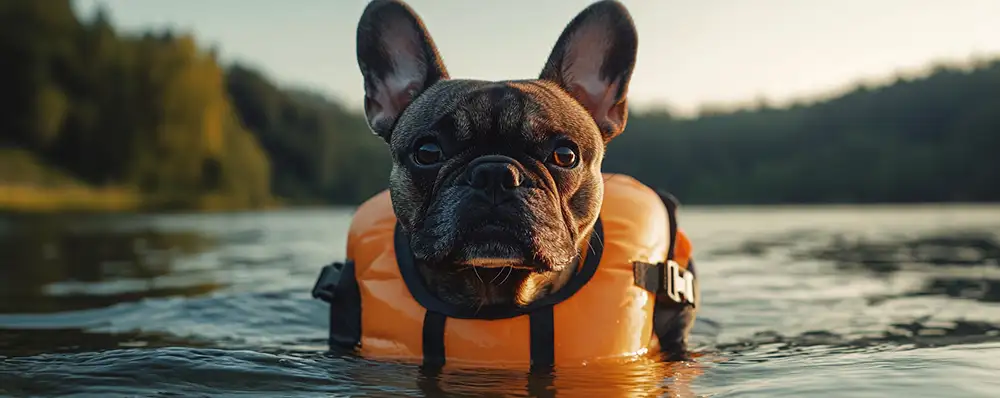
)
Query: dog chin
[
  {"x": 500, "y": 256},
  {"x": 493, "y": 255}
]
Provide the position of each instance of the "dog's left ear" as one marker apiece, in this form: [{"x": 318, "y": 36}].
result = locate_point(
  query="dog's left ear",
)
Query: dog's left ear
[{"x": 593, "y": 61}]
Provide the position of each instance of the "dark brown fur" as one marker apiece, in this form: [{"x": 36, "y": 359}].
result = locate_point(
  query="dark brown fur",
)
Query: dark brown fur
[{"x": 472, "y": 246}]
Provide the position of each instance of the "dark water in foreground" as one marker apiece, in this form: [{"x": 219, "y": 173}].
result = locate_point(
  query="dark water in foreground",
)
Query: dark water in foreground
[{"x": 852, "y": 302}]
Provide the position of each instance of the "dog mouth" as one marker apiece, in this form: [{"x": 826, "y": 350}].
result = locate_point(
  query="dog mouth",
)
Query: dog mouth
[
  {"x": 495, "y": 246},
  {"x": 506, "y": 254},
  {"x": 520, "y": 234},
  {"x": 494, "y": 262}
]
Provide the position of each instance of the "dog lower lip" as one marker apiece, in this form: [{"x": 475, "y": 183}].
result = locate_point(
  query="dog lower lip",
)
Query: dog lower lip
[
  {"x": 496, "y": 263},
  {"x": 491, "y": 228}
]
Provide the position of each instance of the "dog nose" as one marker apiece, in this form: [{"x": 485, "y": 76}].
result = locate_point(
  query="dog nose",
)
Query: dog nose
[{"x": 495, "y": 176}]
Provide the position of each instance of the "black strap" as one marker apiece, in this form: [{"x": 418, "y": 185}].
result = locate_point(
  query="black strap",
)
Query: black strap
[
  {"x": 543, "y": 339},
  {"x": 433, "y": 339},
  {"x": 541, "y": 383},
  {"x": 667, "y": 280},
  {"x": 673, "y": 311},
  {"x": 541, "y": 333},
  {"x": 337, "y": 285},
  {"x": 671, "y": 203},
  {"x": 325, "y": 287}
]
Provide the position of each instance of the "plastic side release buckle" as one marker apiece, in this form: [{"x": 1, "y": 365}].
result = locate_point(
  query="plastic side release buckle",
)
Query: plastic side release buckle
[{"x": 679, "y": 285}]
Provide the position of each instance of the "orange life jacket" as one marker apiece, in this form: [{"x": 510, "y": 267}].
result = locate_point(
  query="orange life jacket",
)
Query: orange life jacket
[{"x": 639, "y": 265}]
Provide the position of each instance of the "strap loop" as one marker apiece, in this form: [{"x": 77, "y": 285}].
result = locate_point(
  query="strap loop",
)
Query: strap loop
[{"x": 326, "y": 284}]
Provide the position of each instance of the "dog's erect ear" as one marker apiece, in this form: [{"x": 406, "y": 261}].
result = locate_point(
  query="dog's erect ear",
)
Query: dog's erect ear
[
  {"x": 593, "y": 62},
  {"x": 398, "y": 60}
]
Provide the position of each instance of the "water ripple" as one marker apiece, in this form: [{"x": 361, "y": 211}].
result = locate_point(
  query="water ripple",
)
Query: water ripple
[{"x": 797, "y": 303}]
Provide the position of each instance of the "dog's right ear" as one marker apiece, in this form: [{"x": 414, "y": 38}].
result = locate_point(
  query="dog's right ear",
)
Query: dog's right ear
[{"x": 398, "y": 60}]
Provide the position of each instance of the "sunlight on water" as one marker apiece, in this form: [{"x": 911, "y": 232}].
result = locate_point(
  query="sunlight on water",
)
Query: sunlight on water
[{"x": 838, "y": 301}]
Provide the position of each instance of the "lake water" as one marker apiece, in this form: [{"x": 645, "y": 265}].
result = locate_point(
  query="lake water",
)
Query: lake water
[{"x": 797, "y": 301}]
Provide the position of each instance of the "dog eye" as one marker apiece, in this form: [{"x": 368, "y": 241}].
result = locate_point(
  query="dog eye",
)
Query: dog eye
[
  {"x": 428, "y": 153},
  {"x": 564, "y": 157}
]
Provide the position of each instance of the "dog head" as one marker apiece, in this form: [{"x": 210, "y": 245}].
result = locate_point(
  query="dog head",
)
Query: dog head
[{"x": 496, "y": 178}]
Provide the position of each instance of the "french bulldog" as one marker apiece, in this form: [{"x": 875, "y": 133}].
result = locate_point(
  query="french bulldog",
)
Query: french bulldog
[{"x": 497, "y": 184}]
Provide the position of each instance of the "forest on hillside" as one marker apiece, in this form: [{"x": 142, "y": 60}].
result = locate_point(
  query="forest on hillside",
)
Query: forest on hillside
[{"x": 87, "y": 106}]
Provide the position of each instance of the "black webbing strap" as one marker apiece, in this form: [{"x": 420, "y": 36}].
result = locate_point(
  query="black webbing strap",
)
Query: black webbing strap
[
  {"x": 337, "y": 285},
  {"x": 433, "y": 338},
  {"x": 668, "y": 280},
  {"x": 543, "y": 339},
  {"x": 671, "y": 203},
  {"x": 541, "y": 331}
]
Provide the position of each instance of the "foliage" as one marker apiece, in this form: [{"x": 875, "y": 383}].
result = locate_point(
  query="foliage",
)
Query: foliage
[
  {"x": 320, "y": 152},
  {"x": 153, "y": 117},
  {"x": 149, "y": 112},
  {"x": 932, "y": 139}
]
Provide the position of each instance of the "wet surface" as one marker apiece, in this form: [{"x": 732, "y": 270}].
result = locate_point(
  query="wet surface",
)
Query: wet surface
[{"x": 840, "y": 301}]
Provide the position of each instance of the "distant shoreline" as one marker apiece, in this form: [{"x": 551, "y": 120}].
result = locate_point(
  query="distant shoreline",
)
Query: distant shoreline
[{"x": 29, "y": 199}]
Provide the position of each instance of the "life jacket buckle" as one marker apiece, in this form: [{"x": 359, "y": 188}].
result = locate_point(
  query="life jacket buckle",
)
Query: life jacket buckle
[
  {"x": 679, "y": 285},
  {"x": 668, "y": 280},
  {"x": 326, "y": 284}
]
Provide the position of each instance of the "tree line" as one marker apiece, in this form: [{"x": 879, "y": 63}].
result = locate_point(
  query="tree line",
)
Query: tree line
[{"x": 156, "y": 114}]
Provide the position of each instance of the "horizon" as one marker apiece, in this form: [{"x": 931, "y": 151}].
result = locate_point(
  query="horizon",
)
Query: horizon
[{"x": 681, "y": 67}]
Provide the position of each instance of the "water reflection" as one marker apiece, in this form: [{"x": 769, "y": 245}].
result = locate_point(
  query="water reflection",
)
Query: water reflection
[
  {"x": 50, "y": 264},
  {"x": 941, "y": 257},
  {"x": 960, "y": 265},
  {"x": 982, "y": 290},
  {"x": 20, "y": 343},
  {"x": 878, "y": 254},
  {"x": 919, "y": 333},
  {"x": 643, "y": 378},
  {"x": 945, "y": 249},
  {"x": 208, "y": 372},
  {"x": 783, "y": 313}
]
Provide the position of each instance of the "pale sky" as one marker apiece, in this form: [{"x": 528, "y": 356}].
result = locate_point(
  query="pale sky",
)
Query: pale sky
[{"x": 691, "y": 52}]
